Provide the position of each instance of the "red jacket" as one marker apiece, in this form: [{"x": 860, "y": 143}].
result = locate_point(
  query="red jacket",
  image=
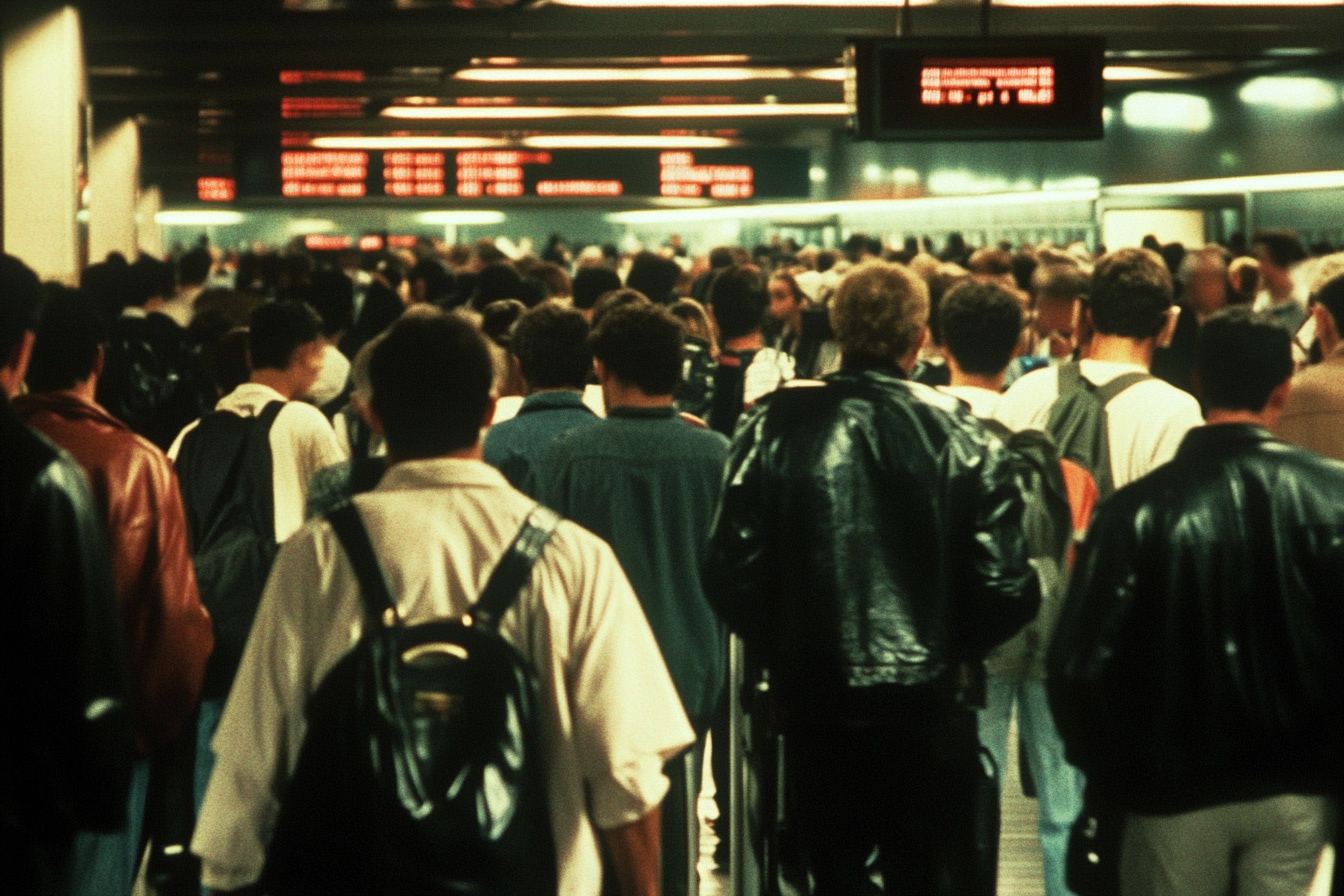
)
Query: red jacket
[{"x": 168, "y": 635}]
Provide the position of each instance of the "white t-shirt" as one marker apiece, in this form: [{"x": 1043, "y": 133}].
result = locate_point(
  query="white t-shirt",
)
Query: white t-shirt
[
  {"x": 611, "y": 716},
  {"x": 1147, "y": 421},
  {"x": 331, "y": 381},
  {"x": 982, "y": 401},
  {"x": 302, "y": 442}
]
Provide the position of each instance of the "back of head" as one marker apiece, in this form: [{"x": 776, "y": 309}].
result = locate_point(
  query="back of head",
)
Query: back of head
[
  {"x": 20, "y": 297},
  {"x": 497, "y": 280},
  {"x": 109, "y": 283},
  {"x": 194, "y": 266},
  {"x": 1241, "y": 357},
  {"x": 1281, "y": 246},
  {"x": 590, "y": 283},
  {"x": 720, "y": 257},
  {"x": 276, "y": 329},
  {"x": 150, "y": 279},
  {"x": 1130, "y": 294},
  {"x": 70, "y": 330},
  {"x": 739, "y": 300},
  {"x": 694, "y": 318},
  {"x": 641, "y": 345},
  {"x": 1331, "y": 297},
  {"x": 431, "y": 377},
  {"x": 1059, "y": 282},
  {"x": 990, "y": 262},
  {"x": 617, "y": 298},
  {"x": 437, "y": 282},
  {"x": 551, "y": 345},
  {"x": 654, "y": 276},
  {"x": 878, "y": 313},
  {"x": 332, "y": 295},
  {"x": 498, "y": 318},
  {"x": 981, "y": 323},
  {"x": 558, "y": 284}
]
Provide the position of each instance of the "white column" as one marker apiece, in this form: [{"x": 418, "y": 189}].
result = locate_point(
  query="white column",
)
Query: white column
[
  {"x": 114, "y": 186},
  {"x": 44, "y": 89},
  {"x": 149, "y": 232}
]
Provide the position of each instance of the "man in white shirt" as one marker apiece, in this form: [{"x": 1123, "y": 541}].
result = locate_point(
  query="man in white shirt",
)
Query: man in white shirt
[
  {"x": 1130, "y": 313},
  {"x": 192, "y": 270},
  {"x": 439, "y": 522}
]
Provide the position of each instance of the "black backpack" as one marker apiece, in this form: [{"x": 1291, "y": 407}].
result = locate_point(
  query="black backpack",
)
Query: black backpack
[
  {"x": 1078, "y": 421},
  {"x": 224, "y": 468},
  {"x": 421, "y": 769}
]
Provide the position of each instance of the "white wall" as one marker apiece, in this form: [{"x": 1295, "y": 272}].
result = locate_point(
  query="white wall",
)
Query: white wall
[
  {"x": 114, "y": 187},
  {"x": 148, "y": 232},
  {"x": 1121, "y": 227},
  {"x": 43, "y": 90}
]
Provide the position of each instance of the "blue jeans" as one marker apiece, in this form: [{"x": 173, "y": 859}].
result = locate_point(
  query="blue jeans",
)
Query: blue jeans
[
  {"x": 1059, "y": 786},
  {"x": 105, "y": 864}
]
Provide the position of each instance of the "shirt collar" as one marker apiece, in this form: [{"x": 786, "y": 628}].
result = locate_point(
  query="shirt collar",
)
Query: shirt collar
[
  {"x": 441, "y": 472},
  {"x": 659, "y": 413},
  {"x": 545, "y": 401}
]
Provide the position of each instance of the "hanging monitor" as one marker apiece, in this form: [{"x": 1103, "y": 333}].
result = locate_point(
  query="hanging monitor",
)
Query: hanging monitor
[{"x": 1036, "y": 88}]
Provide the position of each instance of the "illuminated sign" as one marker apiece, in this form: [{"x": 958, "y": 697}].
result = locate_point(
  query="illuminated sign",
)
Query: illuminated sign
[
  {"x": 216, "y": 189},
  {"x": 976, "y": 88},
  {"x": 327, "y": 242},
  {"x": 717, "y": 174}
]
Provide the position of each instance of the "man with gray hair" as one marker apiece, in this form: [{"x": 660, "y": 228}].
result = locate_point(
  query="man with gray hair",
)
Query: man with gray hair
[{"x": 868, "y": 549}]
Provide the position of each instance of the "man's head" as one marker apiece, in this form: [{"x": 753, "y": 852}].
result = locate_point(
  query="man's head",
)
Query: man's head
[
  {"x": 1243, "y": 362},
  {"x": 1203, "y": 277},
  {"x": 431, "y": 378},
  {"x": 151, "y": 279},
  {"x": 640, "y": 345},
  {"x": 20, "y": 297},
  {"x": 1057, "y": 288},
  {"x": 981, "y": 326},
  {"x": 70, "y": 335},
  {"x": 738, "y": 300},
  {"x": 786, "y": 296},
  {"x": 332, "y": 295},
  {"x": 551, "y": 345},
  {"x": 1131, "y": 294},
  {"x": 1329, "y": 305},
  {"x": 1277, "y": 249},
  {"x": 591, "y": 283},
  {"x": 286, "y": 337},
  {"x": 878, "y": 313},
  {"x": 654, "y": 276},
  {"x": 194, "y": 266}
]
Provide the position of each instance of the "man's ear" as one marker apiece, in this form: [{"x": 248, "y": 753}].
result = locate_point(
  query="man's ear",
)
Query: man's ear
[
  {"x": 370, "y": 415},
  {"x": 1279, "y": 397},
  {"x": 99, "y": 361},
  {"x": 1169, "y": 328},
  {"x": 15, "y": 367},
  {"x": 600, "y": 371},
  {"x": 489, "y": 416}
]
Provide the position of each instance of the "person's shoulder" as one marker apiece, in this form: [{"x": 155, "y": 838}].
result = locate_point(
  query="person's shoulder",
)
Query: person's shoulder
[
  {"x": 1033, "y": 385},
  {"x": 1163, "y": 401}
]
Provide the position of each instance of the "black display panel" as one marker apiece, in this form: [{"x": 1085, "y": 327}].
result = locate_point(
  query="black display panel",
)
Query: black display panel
[
  {"x": 977, "y": 88},
  {"x": 504, "y": 174}
]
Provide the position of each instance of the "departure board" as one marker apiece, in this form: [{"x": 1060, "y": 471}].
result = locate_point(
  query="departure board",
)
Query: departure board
[
  {"x": 977, "y": 89},
  {"x": 490, "y": 174}
]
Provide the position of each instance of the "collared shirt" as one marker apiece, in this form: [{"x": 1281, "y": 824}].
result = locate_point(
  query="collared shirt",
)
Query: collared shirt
[
  {"x": 982, "y": 401},
  {"x": 611, "y": 717},
  {"x": 302, "y": 442},
  {"x": 1145, "y": 423},
  {"x": 514, "y": 446}
]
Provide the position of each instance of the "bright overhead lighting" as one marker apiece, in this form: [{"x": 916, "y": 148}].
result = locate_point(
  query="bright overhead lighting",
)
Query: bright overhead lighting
[
  {"x": 1288, "y": 92},
  {"x": 619, "y": 141},
  {"x": 669, "y": 110},
  {"x": 311, "y": 225},
  {"x": 427, "y": 142},
  {"x": 1121, "y": 3},
  {"x": 202, "y": 217},
  {"x": 460, "y": 217},
  {"x": 1260, "y": 183},
  {"x": 665, "y": 73},
  {"x": 682, "y": 4},
  {"x": 1166, "y": 112},
  {"x": 1141, "y": 73}
]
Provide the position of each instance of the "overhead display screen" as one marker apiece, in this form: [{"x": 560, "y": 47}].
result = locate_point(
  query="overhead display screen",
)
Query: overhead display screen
[
  {"x": 977, "y": 89},
  {"x": 490, "y": 174}
]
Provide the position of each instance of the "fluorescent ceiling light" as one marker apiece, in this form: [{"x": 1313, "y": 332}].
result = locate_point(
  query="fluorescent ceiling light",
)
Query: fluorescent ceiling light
[
  {"x": 1141, "y": 73},
  {"x": 427, "y": 142},
  {"x": 1288, "y": 92},
  {"x": 619, "y": 141},
  {"x": 665, "y": 73},
  {"x": 311, "y": 225},
  {"x": 1166, "y": 112},
  {"x": 201, "y": 216},
  {"x": 669, "y": 110},
  {"x": 460, "y": 217},
  {"x": 1261, "y": 183},
  {"x": 630, "y": 4},
  {"x": 1123, "y": 3}
]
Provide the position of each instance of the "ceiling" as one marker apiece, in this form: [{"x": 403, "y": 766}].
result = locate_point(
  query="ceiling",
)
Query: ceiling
[{"x": 204, "y": 76}]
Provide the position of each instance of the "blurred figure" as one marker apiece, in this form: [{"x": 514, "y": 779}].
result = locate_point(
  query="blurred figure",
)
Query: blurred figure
[
  {"x": 590, "y": 284},
  {"x": 1219, "y": 742},
  {"x": 332, "y": 295},
  {"x": 1278, "y": 252},
  {"x": 192, "y": 270},
  {"x": 802, "y": 332},
  {"x": 1313, "y": 415},
  {"x": 67, "y": 747},
  {"x": 747, "y": 368}
]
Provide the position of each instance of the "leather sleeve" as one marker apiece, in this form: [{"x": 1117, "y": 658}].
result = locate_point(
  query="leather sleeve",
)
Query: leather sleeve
[
  {"x": 83, "y": 748},
  {"x": 1000, "y": 589},
  {"x": 735, "y": 567}
]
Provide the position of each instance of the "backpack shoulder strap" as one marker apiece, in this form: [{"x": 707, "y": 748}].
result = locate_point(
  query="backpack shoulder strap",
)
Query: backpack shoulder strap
[
  {"x": 354, "y": 539},
  {"x": 515, "y": 567},
  {"x": 256, "y": 455},
  {"x": 1071, "y": 378},
  {"x": 1119, "y": 384}
]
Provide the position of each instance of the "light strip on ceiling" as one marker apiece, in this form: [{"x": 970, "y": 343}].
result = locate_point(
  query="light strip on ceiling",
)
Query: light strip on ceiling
[
  {"x": 620, "y": 141},
  {"x": 465, "y": 216},
  {"x": 1260, "y": 183},
  {"x": 1141, "y": 73},
  {"x": 1127, "y": 3},
  {"x": 427, "y": 142},
  {"x": 670, "y": 110},
  {"x": 197, "y": 217},
  {"x": 683, "y": 4},
  {"x": 667, "y": 73}
]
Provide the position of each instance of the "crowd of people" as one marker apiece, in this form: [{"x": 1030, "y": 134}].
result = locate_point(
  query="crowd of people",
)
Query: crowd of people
[{"x": 1100, "y": 492}]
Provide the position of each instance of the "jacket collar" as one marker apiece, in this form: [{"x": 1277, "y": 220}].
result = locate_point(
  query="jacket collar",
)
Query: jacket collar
[
  {"x": 864, "y": 366},
  {"x": 545, "y": 401},
  {"x": 663, "y": 412},
  {"x": 1218, "y": 438},
  {"x": 67, "y": 405}
]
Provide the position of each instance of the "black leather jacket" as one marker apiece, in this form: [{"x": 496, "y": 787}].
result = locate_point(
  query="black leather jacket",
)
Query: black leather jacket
[
  {"x": 1199, "y": 658},
  {"x": 65, "y": 745},
  {"x": 868, "y": 535}
]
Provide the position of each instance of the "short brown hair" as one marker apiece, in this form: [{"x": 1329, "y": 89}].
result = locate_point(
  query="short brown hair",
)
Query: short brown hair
[
  {"x": 1131, "y": 293},
  {"x": 878, "y": 312}
]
